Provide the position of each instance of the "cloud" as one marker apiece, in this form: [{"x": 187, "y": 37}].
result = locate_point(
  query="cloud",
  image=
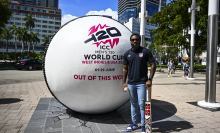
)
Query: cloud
[
  {"x": 66, "y": 18},
  {"x": 108, "y": 12}
]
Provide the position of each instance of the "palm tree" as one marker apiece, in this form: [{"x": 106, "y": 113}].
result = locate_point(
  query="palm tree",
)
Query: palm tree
[
  {"x": 7, "y": 35},
  {"x": 46, "y": 41},
  {"x": 22, "y": 36},
  {"x": 15, "y": 31},
  {"x": 30, "y": 21},
  {"x": 30, "y": 38},
  {"x": 35, "y": 39}
]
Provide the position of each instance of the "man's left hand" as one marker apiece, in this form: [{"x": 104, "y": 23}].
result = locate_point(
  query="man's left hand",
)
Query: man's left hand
[{"x": 148, "y": 83}]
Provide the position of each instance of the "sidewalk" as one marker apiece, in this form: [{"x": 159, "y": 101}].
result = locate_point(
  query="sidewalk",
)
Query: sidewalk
[{"x": 174, "y": 105}]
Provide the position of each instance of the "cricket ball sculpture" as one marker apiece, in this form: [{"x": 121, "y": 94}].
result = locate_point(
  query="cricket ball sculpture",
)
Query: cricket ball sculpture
[{"x": 83, "y": 64}]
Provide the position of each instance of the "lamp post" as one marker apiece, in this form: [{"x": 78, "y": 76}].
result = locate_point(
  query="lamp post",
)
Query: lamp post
[
  {"x": 192, "y": 41},
  {"x": 212, "y": 43},
  {"x": 142, "y": 24}
]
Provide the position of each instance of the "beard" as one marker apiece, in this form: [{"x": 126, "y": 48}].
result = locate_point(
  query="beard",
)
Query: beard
[{"x": 135, "y": 47}]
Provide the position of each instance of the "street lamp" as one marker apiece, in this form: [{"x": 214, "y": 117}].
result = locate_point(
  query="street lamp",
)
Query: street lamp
[{"x": 192, "y": 32}]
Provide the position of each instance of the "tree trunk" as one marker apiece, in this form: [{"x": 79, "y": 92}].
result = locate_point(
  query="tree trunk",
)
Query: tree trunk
[
  {"x": 15, "y": 45},
  {"x": 29, "y": 45},
  {"x": 7, "y": 47},
  {"x": 22, "y": 49},
  {"x": 33, "y": 47}
]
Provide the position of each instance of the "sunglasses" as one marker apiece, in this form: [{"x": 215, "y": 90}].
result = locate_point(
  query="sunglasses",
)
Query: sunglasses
[{"x": 134, "y": 40}]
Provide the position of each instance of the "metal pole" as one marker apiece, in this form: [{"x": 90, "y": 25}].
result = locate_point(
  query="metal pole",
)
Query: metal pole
[
  {"x": 212, "y": 43},
  {"x": 142, "y": 24},
  {"x": 192, "y": 38}
]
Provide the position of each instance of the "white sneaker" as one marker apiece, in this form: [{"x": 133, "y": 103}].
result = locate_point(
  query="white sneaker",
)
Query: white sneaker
[
  {"x": 168, "y": 75},
  {"x": 171, "y": 75}
]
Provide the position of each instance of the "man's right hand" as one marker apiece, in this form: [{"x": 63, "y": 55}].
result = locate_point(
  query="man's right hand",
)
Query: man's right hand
[{"x": 124, "y": 86}]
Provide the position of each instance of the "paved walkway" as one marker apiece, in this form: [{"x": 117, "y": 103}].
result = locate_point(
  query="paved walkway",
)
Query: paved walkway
[{"x": 175, "y": 95}]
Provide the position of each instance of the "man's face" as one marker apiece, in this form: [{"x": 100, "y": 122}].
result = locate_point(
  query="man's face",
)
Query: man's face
[
  {"x": 170, "y": 60},
  {"x": 135, "y": 42}
]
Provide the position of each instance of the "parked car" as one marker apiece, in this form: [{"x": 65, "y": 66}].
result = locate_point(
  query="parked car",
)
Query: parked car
[{"x": 29, "y": 64}]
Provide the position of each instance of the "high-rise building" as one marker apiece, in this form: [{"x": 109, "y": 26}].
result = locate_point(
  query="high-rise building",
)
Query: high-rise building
[
  {"x": 48, "y": 22},
  {"x": 132, "y": 8},
  {"x": 44, "y": 3},
  {"x": 128, "y": 14}
]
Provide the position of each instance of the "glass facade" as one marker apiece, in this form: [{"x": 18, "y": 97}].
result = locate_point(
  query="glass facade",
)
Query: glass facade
[
  {"x": 151, "y": 8},
  {"x": 127, "y": 14}
]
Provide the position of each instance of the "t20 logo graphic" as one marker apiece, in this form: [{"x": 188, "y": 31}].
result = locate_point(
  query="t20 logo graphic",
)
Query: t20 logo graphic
[{"x": 96, "y": 37}]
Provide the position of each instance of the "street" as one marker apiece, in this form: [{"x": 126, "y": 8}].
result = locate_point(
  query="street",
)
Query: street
[
  {"x": 173, "y": 98},
  {"x": 20, "y": 76}
]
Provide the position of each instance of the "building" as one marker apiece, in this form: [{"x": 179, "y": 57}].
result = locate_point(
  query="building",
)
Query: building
[
  {"x": 48, "y": 22},
  {"x": 43, "y": 3},
  {"x": 132, "y": 8},
  {"x": 128, "y": 14},
  {"x": 134, "y": 25}
]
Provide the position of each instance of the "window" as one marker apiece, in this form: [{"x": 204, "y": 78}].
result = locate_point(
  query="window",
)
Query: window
[
  {"x": 38, "y": 16},
  {"x": 24, "y": 14},
  {"x": 39, "y": 35},
  {"x": 11, "y": 18},
  {"x": 51, "y": 27},
  {"x": 51, "y": 12},
  {"x": 45, "y": 16},
  {"x": 39, "y": 21},
  {"x": 37, "y": 25},
  {"x": 23, "y": 24},
  {"x": 57, "y": 18},
  {"x": 45, "y": 31},
  {"x": 44, "y": 26},
  {"x": 16, "y": 23},
  {"x": 37, "y": 30},
  {"x": 33, "y": 15},
  {"x": 57, "y": 12},
  {"x": 50, "y": 31},
  {"x": 32, "y": 30},
  {"x": 44, "y": 10},
  {"x": 57, "y": 28},
  {"x": 39, "y": 10},
  {"x": 18, "y": 13},
  {"x": 51, "y": 22},
  {"x": 44, "y": 36},
  {"x": 17, "y": 18},
  {"x": 57, "y": 23},
  {"x": 11, "y": 23},
  {"x": 51, "y": 17},
  {"x": 44, "y": 21}
]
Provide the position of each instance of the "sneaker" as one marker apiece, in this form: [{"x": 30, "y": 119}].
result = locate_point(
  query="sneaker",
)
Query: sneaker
[
  {"x": 131, "y": 127},
  {"x": 171, "y": 75},
  {"x": 143, "y": 130},
  {"x": 168, "y": 75}
]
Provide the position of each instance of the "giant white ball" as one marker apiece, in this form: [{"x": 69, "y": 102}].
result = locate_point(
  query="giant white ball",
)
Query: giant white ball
[{"x": 83, "y": 64}]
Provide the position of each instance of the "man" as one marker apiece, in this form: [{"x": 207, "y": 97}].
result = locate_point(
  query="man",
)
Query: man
[
  {"x": 135, "y": 67},
  {"x": 170, "y": 69}
]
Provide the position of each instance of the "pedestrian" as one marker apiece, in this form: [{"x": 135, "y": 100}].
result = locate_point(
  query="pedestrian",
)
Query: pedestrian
[
  {"x": 135, "y": 68},
  {"x": 186, "y": 69},
  {"x": 170, "y": 69},
  {"x": 174, "y": 67}
]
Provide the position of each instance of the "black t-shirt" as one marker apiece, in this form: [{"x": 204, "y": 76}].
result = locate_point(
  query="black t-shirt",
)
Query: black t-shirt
[{"x": 137, "y": 65}]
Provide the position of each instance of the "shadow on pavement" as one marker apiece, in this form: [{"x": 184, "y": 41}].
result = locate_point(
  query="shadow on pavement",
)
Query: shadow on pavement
[{"x": 9, "y": 100}]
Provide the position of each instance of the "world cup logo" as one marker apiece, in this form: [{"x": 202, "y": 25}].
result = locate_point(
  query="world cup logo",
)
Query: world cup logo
[{"x": 103, "y": 34}]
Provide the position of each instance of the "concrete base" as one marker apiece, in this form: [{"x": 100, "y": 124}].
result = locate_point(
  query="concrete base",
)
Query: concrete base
[
  {"x": 208, "y": 105},
  {"x": 191, "y": 79}
]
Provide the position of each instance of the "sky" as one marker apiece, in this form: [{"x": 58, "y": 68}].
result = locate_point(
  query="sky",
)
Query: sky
[{"x": 76, "y": 8}]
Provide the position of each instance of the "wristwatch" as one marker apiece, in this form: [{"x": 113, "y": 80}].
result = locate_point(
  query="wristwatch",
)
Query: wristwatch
[{"x": 150, "y": 79}]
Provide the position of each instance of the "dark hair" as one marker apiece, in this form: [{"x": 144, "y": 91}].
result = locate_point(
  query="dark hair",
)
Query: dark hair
[{"x": 135, "y": 34}]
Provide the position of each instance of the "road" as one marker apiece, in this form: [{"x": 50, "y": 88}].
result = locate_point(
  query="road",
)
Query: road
[{"x": 20, "y": 76}]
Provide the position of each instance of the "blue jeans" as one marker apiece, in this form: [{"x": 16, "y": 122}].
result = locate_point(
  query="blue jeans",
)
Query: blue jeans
[{"x": 137, "y": 96}]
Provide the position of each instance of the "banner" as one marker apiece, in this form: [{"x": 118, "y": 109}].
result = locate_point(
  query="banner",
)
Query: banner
[{"x": 83, "y": 64}]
